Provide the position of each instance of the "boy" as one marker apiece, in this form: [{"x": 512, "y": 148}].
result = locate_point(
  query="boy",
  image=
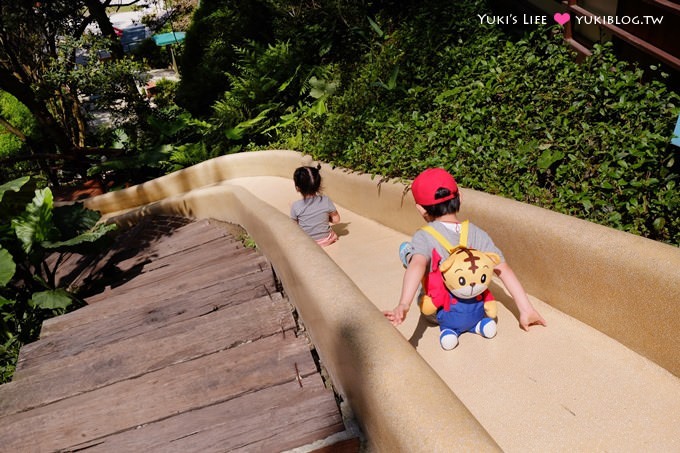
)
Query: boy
[{"x": 438, "y": 200}]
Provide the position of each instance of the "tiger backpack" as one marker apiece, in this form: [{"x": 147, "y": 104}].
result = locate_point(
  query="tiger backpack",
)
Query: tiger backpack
[
  {"x": 456, "y": 290},
  {"x": 473, "y": 273}
]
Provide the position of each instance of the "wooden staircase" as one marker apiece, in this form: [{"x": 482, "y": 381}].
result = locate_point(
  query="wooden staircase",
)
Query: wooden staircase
[{"x": 191, "y": 346}]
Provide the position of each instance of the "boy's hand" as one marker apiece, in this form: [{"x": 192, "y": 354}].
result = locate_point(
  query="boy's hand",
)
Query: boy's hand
[
  {"x": 397, "y": 315},
  {"x": 531, "y": 318}
]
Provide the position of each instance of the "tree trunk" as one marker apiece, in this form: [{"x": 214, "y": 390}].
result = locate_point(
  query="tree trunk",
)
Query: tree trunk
[{"x": 97, "y": 11}]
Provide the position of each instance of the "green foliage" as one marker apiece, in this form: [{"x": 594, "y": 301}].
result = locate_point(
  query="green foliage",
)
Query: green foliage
[
  {"x": 510, "y": 116},
  {"x": 109, "y": 84},
  {"x": 151, "y": 54},
  {"x": 209, "y": 53},
  {"x": 166, "y": 90},
  {"x": 144, "y": 156},
  {"x": 34, "y": 236},
  {"x": 18, "y": 116}
]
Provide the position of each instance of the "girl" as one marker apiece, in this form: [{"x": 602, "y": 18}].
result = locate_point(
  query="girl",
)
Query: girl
[{"x": 314, "y": 212}]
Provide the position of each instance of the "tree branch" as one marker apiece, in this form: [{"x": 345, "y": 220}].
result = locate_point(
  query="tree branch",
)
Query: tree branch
[
  {"x": 12, "y": 129},
  {"x": 108, "y": 152}
]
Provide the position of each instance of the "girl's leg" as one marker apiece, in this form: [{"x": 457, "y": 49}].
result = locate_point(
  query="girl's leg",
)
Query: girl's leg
[{"x": 328, "y": 240}]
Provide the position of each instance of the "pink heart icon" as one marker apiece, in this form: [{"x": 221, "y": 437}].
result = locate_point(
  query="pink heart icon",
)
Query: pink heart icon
[{"x": 562, "y": 18}]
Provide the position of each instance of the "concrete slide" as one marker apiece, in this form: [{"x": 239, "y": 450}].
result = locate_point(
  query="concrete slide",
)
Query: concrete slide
[{"x": 602, "y": 376}]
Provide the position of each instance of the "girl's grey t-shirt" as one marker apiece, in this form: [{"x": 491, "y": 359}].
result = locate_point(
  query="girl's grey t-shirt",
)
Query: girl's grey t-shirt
[{"x": 312, "y": 215}]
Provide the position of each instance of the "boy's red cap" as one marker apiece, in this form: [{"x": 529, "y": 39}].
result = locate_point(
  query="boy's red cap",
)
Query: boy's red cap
[{"x": 425, "y": 186}]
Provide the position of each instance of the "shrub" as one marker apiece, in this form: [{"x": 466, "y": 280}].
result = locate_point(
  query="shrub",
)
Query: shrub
[
  {"x": 31, "y": 230},
  {"x": 510, "y": 116}
]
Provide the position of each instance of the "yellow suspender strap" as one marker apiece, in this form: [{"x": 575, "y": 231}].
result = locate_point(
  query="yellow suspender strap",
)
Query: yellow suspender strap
[
  {"x": 464, "y": 233},
  {"x": 438, "y": 236},
  {"x": 442, "y": 240}
]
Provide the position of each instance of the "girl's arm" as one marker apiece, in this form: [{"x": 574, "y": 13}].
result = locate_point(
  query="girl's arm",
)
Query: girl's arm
[
  {"x": 334, "y": 217},
  {"x": 528, "y": 316}
]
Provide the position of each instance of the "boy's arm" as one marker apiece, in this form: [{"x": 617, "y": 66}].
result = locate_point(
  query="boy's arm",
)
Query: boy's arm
[
  {"x": 412, "y": 277},
  {"x": 528, "y": 316}
]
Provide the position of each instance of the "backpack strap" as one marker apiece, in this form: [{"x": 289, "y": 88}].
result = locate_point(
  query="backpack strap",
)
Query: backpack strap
[
  {"x": 443, "y": 241},
  {"x": 439, "y": 237},
  {"x": 464, "y": 233}
]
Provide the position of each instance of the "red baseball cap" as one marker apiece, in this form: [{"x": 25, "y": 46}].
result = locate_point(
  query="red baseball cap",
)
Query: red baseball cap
[{"x": 425, "y": 186}]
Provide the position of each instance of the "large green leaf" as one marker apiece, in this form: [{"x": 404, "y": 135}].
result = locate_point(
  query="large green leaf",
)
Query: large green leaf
[
  {"x": 74, "y": 219},
  {"x": 93, "y": 235},
  {"x": 52, "y": 299},
  {"x": 548, "y": 158},
  {"x": 14, "y": 196},
  {"x": 14, "y": 185},
  {"x": 4, "y": 302},
  {"x": 7, "y": 267},
  {"x": 236, "y": 132},
  {"x": 35, "y": 225}
]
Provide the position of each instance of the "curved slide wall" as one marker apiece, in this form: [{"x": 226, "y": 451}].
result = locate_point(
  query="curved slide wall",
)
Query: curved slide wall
[{"x": 623, "y": 286}]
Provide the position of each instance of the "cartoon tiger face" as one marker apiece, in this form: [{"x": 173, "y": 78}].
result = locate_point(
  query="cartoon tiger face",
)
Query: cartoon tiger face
[{"x": 467, "y": 272}]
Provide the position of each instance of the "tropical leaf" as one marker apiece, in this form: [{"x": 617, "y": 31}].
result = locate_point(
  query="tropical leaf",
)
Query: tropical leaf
[
  {"x": 35, "y": 225},
  {"x": 4, "y": 302},
  {"x": 376, "y": 28},
  {"x": 285, "y": 84},
  {"x": 90, "y": 236},
  {"x": 237, "y": 132},
  {"x": 548, "y": 158},
  {"x": 7, "y": 267},
  {"x": 74, "y": 219},
  {"x": 13, "y": 186},
  {"x": 52, "y": 299},
  {"x": 14, "y": 196}
]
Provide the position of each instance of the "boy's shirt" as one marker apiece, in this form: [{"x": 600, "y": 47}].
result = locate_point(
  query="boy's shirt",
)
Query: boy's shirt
[{"x": 423, "y": 242}]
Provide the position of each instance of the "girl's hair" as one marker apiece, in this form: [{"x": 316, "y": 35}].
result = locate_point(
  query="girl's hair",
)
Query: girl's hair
[
  {"x": 308, "y": 180},
  {"x": 445, "y": 207}
]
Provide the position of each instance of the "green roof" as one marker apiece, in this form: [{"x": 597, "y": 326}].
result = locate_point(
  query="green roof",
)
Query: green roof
[{"x": 163, "y": 39}]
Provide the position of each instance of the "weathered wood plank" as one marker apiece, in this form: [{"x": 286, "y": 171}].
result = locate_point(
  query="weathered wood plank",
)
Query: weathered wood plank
[
  {"x": 171, "y": 279},
  {"x": 158, "y": 395},
  {"x": 117, "y": 304},
  {"x": 291, "y": 416},
  {"x": 137, "y": 247},
  {"x": 106, "y": 364},
  {"x": 194, "y": 263},
  {"x": 170, "y": 252},
  {"x": 133, "y": 322},
  {"x": 220, "y": 278},
  {"x": 350, "y": 445},
  {"x": 77, "y": 268},
  {"x": 178, "y": 356}
]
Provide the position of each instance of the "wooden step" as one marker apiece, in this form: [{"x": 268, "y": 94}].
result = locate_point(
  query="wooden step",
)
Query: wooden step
[
  {"x": 155, "y": 396},
  {"x": 191, "y": 347},
  {"x": 293, "y": 414},
  {"x": 138, "y": 319},
  {"x": 139, "y": 354}
]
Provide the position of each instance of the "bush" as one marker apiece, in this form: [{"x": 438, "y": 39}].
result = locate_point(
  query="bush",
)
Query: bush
[
  {"x": 516, "y": 117},
  {"x": 31, "y": 230}
]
